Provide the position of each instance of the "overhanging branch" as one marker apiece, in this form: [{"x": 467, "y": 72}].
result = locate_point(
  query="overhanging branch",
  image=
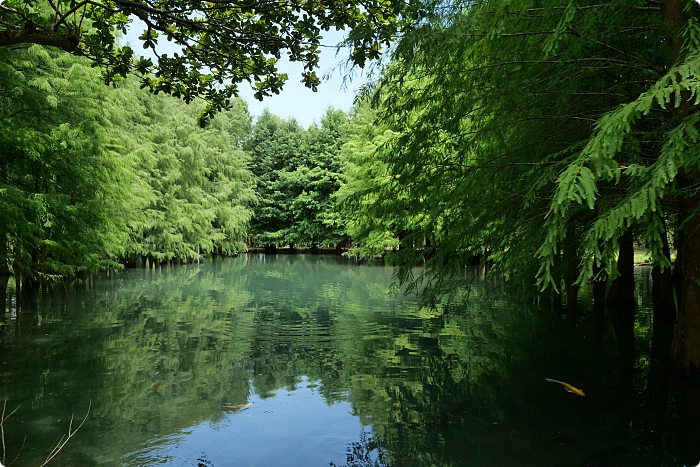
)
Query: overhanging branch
[{"x": 11, "y": 37}]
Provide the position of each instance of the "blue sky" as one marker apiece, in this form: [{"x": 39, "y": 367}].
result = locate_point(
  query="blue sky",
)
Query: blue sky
[
  {"x": 299, "y": 102},
  {"x": 295, "y": 100}
]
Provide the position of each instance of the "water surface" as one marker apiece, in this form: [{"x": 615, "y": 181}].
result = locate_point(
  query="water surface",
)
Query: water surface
[{"x": 308, "y": 361}]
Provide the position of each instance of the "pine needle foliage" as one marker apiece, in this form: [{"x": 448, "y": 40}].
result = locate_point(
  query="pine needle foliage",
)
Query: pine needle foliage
[
  {"x": 194, "y": 187},
  {"x": 57, "y": 175},
  {"x": 510, "y": 119}
]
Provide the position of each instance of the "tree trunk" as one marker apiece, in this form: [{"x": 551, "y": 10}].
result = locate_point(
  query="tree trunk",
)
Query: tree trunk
[
  {"x": 686, "y": 343},
  {"x": 621, "y": 306},
  {"x": 402, "y": 236},
  {"x": 621, "y": 293},
  {"x": 570, "y": 272},
  {"x": 664, "y": 309},
  {"x": 4, "y": 278},
  {"x": 4, "y": 271},
  {"x": 18, "y": 289},
  {"x": 685, "y": 352},
  {"x": 556, "y": 294},
  {"x": 599, "y": 287}
]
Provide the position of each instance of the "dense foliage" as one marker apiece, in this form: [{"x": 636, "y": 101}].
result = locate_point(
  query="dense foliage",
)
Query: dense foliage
[
  {"x": 60, "y": 178},
  {"x": 92, "y": 176},
  {"x": 542, "y": 140},
  {"x": 220, "y": 45},
  {"x": 297, "y": 171}
]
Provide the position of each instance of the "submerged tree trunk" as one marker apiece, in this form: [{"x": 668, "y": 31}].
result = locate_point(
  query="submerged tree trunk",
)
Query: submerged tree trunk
[{"x": 621, "y": 305}]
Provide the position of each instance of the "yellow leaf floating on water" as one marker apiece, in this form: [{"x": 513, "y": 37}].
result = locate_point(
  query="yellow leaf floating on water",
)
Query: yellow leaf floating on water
[
  {"x": 159, "y": 386},
  {"x": 239, "y": 406},
  {"x": 567, "y": 386}
]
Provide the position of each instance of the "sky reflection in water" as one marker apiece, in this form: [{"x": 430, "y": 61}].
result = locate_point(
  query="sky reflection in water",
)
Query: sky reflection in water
[{"x": 292, "y": 428}]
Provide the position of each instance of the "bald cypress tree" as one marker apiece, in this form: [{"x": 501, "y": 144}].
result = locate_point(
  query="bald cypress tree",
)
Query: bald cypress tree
[
  {"x": 193, "y": 191},
  {"x": 539, "y": 134},
  {"x": 58, "y": 175}
]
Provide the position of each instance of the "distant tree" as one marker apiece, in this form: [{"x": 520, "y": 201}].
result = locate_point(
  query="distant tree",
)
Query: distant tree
[
  {"x": 275, "y": 148},
  {"x": 313, "y": 219},
  {"x": 297, "y": 173}
]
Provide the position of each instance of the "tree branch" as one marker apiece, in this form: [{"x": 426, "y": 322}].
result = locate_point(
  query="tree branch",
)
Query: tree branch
[{"x": 28, "y": 35}]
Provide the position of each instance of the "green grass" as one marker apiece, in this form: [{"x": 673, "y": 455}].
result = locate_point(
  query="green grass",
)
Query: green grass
[
  {"x": 644, "y": 256},
  {"x": 641, "y": 257}
]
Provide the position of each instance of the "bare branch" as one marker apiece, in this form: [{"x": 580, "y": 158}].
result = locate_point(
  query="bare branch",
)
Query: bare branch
[
  {"x": 2, "y": 428},
  {"x": 64, "y": 439}
]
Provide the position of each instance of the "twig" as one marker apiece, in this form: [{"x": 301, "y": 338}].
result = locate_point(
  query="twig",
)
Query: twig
[
  {"x": 64, "y": 439},
  {"x": 2, "y": 428},
  {"x": 20, "y": 451}
]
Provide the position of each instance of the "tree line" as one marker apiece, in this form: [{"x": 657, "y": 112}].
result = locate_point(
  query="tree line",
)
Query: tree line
[{"x": 95, "y": 177}]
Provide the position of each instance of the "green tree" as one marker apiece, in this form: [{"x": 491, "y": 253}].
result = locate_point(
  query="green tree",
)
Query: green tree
[
  {"x": 298, "y": 172},
  {"x": 364, "y": 176},
  {"x": 220, "y": 45},
  {"x": 198, "y": 188},
  {"x": 514, "y": 115},
  {"x": 313, "y": 218},
  {"x": 275, "y": 148},
  {"x": 59, "y": 180}
]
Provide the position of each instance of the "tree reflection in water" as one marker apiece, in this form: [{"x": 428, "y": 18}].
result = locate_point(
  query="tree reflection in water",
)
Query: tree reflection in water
[{"x": 162, "y": 351}]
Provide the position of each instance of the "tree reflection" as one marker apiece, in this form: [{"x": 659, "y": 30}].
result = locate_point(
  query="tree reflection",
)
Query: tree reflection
[
  {"x": 363, "y": 453},
  {"x": 162, "y": 350}
]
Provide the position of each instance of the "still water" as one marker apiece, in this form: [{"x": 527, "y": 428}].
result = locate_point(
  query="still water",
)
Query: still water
[{"x": 305, "y": 361}]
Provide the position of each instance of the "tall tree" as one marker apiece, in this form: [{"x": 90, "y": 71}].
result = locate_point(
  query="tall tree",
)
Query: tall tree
[
  {"x": 197, "y": 188},
  {"x": 364, "y": 176},
  {"x": 59, "y": 179},
  {"x": 313, "y": 219},
  {"x": 276, "y": 151},
  {"x": 516, "y": 115}
]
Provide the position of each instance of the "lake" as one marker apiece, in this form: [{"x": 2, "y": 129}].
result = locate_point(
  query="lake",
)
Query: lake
[{"x": 306, "y": 360}]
